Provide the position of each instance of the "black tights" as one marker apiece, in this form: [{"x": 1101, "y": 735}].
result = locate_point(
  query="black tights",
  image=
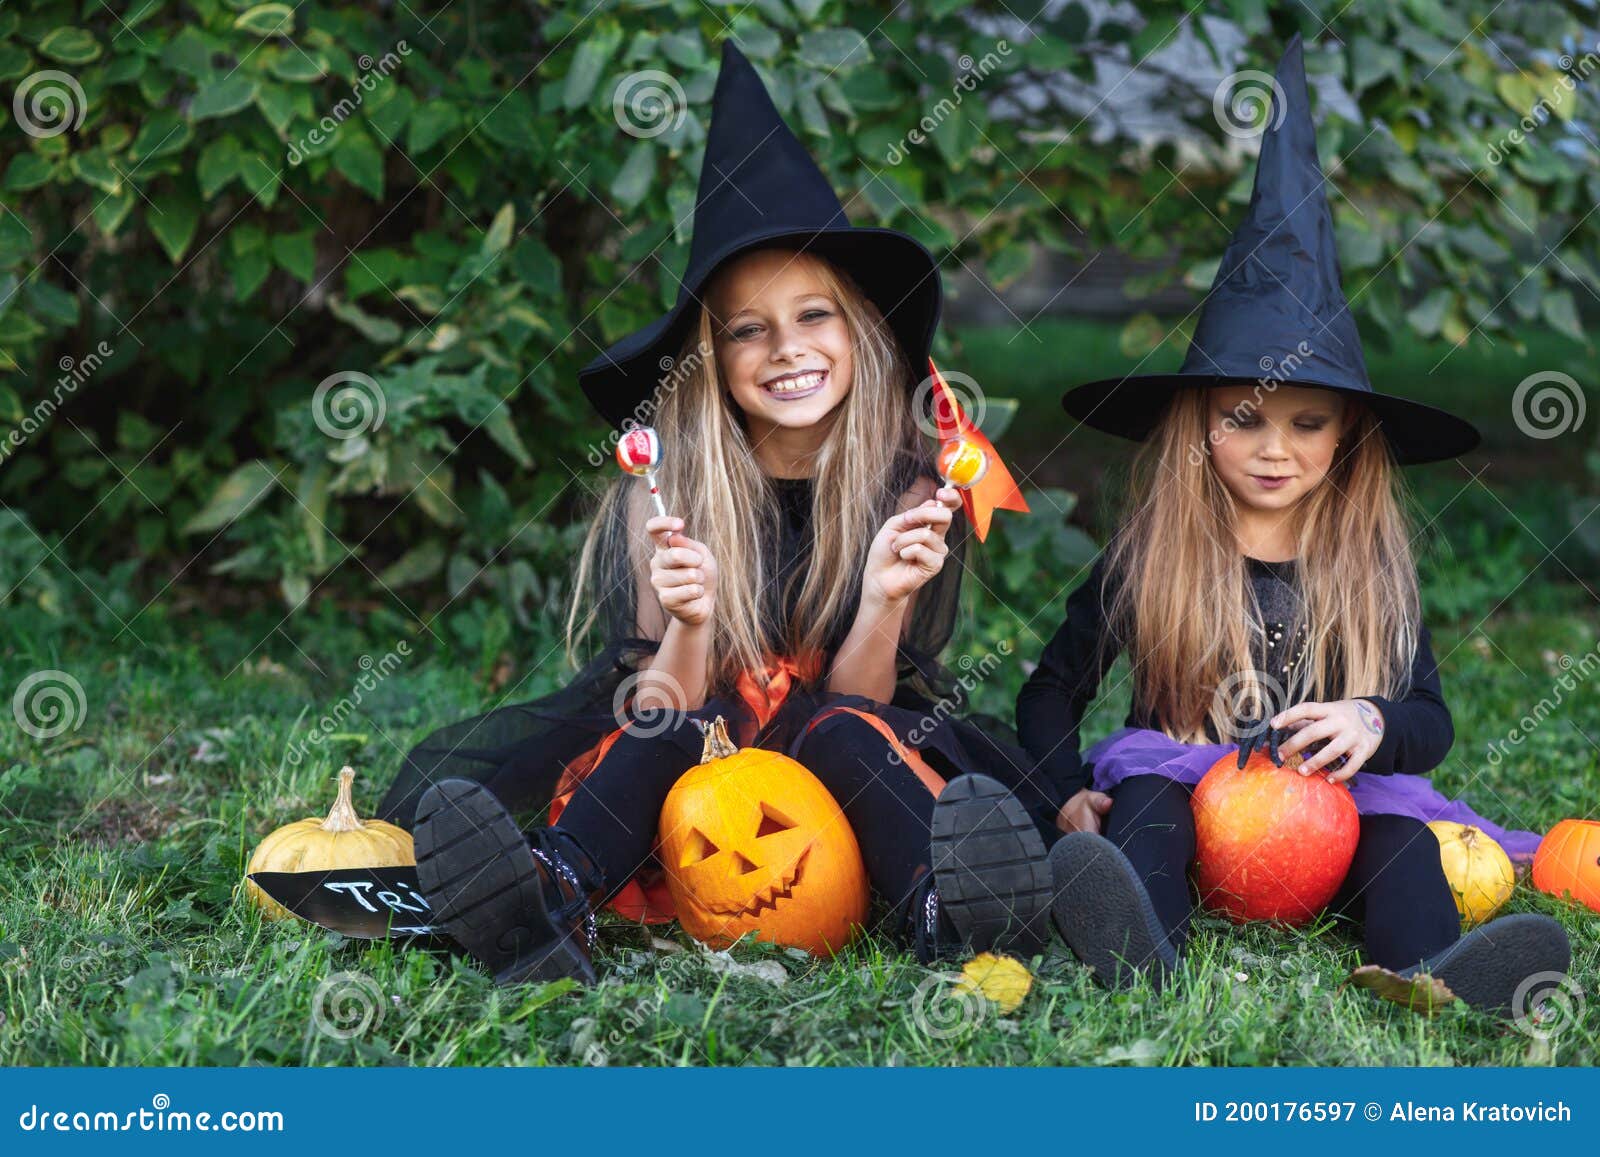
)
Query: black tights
[
  {"x": 1396, "y": 886},
  {"x": 614, "y": 812}
]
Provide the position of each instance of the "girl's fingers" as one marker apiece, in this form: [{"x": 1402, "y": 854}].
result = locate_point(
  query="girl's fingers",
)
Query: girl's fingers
[
  {"x": 922, "y": 556},
  {"x": 1308, "y": 735},
  {"x": 927, "y": 537},
  {"x": 675, "y": 597},
  {"x": 658, "y": 523},
  {"x": 1334, "y": 749},
  {"x": 669, "y": 557},
  {"x": 678, "y": 577},
  {"x": 1299, "y": 712},
  {"x": 936, "y": 515}
]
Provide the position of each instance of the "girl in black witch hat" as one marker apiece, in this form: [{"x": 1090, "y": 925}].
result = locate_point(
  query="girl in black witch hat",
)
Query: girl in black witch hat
[
  {"x": 1264, "y": 587},
  {"x": 801, "y": 588}
]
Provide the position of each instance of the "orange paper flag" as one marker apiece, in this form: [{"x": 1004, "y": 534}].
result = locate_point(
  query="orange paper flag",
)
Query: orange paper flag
[{"x": 995, "y": 490}]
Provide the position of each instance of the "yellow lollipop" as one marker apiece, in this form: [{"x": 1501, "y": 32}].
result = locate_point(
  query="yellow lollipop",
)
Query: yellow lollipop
[{"x": 962, "y": 463}]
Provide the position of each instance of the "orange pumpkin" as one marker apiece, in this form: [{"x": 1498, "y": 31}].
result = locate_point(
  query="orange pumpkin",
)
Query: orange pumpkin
[
  {"x": 752, "y": 842},
  {"x": 1568, "y": 862}
]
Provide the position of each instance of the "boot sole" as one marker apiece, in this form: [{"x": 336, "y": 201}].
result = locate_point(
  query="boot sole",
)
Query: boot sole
[
  {"x": 478, "y": 875},
  {"x": 1488, "y": 965},
  {"x": 989, "y": 867},
  {"x": 1103, "y": 912}
]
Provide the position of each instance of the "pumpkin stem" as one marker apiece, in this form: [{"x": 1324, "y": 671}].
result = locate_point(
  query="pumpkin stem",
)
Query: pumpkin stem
[
  {"x": 342, "y": 816},
  {"x": 717, "y": 744}
]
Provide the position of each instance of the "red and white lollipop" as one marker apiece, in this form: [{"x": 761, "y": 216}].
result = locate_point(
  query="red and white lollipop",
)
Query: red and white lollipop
[{"x": 639, "y": 453}]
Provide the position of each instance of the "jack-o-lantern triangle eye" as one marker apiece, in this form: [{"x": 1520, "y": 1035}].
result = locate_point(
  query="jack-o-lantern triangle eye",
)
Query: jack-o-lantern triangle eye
[
  {"x": 699, "y": 847},
  {"x": 772, "y": 822}
]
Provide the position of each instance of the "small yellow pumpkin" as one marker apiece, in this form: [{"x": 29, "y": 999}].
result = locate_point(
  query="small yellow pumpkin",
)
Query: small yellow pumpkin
[
  {"x": 1478, "y": 869},
  {"x": 341, "y": 840}
]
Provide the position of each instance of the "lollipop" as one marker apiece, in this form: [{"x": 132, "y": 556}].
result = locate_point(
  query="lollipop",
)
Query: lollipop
[
  {"x": 639, "y": 453},
  {"x": 962, "y": 462}
]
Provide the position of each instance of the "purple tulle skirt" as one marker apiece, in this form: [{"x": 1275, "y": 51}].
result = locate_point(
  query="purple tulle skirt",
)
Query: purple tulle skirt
[{"x": 1141, "y": 751}]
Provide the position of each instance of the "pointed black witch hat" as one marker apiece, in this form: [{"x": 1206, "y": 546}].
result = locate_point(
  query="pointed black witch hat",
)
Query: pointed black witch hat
[
  {"x": 759, "y": 187},
  {"x": 1276, "y": 313}
]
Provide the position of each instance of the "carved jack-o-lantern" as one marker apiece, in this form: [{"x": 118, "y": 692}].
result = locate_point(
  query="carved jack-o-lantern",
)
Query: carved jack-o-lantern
[{"x": 753, "y": 842}]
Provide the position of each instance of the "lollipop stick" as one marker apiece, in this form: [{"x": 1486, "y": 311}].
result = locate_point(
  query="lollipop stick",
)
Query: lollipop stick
[{"x": 655, "y": 493}]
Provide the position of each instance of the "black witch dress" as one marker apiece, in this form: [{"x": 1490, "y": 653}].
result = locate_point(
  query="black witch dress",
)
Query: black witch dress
[{"x": 533, "y": 755}]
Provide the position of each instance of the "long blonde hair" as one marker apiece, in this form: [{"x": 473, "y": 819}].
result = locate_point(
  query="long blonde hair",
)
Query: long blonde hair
[
  {"x": 1180, "y": 591},
  {"x": 710, "y": 478}
]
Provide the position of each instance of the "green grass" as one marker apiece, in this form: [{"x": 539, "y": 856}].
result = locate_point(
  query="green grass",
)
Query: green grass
[{"x": 121, "y": 941}]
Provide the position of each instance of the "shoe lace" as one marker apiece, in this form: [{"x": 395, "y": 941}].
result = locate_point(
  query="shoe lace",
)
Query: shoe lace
[{"x": 573, "y": 908}]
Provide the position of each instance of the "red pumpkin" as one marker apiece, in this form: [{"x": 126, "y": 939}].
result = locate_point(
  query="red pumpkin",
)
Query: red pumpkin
[
  {"x": 1568, "y": 862},
  {"x": 1270, "y": 843}
]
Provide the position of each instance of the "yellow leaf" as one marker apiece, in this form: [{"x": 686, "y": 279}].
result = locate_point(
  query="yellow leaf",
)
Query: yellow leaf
[{"x": 999, "y": 978}]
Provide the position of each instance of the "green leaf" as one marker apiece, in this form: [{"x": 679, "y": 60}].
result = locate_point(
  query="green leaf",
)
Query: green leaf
[
  {"x": 28, "y": 171},
  {"x": 218, "y": 164},
  {"x": 498, "y": 425},
  {"x": 249, "y": 271},
  {"x": 70, "y": 46},
  {"x": 297, "y": 253},
  {"x": 267, "y": 20},
  {"x": 1562, "y": 313},
  {"x": 163, "y": 132},
  {"x": 587, "y": 63},
  {"x": 297, "y": 66},
  {"x": 1427, "y": 316},
  {"x": 92, "y": 168},
  {"x": 361, "y": 162},
  {"x": 430, "y": 123},
  {"x": 237, "y": 495},
  {"x": 420, "y": 563},
  {"x": 378, "y": 330},
  {"x": 189, "y": 53},
  {"x": 632, "y": 182},
  {"x": 52, "y": 303},
  {"x": 218, "y": 98},
  {"x": 499, "y": 234},
  {"x": 173, "y": 218},
  {"x": 277, "y": 105},
  {"x": 110, "y": 212},
  {"x": 833, "y": 48}
]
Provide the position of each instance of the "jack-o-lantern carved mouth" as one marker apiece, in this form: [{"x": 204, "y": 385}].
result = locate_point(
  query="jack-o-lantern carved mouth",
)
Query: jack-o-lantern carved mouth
[{"x": 766, "y": 900}]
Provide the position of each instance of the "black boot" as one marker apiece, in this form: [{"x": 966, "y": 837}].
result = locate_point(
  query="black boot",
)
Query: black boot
[
  {"x": 519, "y": 904},
  {"x": 1104, "y": 913},
  {"x": 991, "y": 879},
  {"x": 1498, "y": 968}
]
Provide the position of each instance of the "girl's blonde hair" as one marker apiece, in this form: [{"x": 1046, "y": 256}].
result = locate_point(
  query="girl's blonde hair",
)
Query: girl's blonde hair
[
  {"x": 1180, "y": 589},
  {"x": 710, "y": 478}
]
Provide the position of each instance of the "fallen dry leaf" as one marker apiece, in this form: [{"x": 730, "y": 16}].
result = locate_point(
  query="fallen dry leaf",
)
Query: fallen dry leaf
[
  {"x": 1421, "y": 993},
  {"x": 1000, "y": 978}
]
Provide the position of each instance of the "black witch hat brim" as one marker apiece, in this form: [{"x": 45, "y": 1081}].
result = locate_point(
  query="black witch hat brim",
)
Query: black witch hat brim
[
  {"x": 1132, "y": 407},
  {"x": 891, "y": 269}
]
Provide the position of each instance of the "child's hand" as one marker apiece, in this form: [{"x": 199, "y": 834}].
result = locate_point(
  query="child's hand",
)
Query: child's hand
[
  {"x": 1352, "y": 728},
  {"x": 1083, "y": 812},
  {"x": 682, "y": 572},
  {"x": 910, "y": 549}
]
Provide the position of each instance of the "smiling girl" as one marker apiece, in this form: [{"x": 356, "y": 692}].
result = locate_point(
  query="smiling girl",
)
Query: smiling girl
[
  {"x": 1263, "y": 586},
  {"x": 802, "y": 588}
]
